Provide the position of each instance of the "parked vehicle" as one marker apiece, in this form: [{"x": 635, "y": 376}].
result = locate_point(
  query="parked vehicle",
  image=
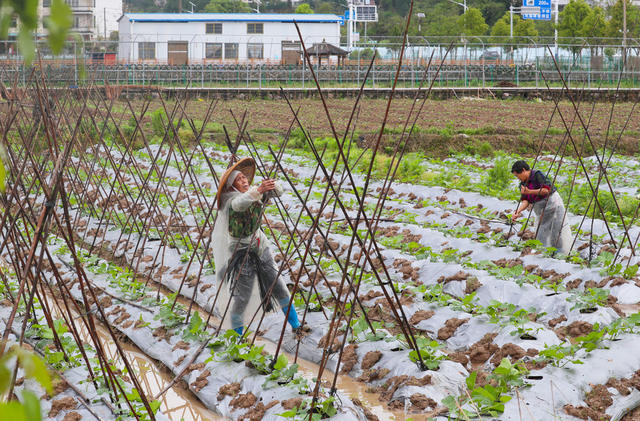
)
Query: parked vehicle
[{"x": 490, "y": 56}]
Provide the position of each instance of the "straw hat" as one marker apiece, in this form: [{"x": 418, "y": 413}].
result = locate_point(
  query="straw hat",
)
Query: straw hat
[{"x": 246, "y": 166}]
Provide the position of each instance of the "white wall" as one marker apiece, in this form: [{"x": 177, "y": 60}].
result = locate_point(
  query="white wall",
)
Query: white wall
[{"x": 232, "y": 32}]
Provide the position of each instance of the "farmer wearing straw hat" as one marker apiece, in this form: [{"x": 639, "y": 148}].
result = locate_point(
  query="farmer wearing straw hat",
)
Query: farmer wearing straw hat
[
  {"x": 552, "y": 228},
  {"x": 241, "y": 250}
]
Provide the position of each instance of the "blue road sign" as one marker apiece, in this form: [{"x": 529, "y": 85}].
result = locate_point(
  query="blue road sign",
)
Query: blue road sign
[{"x": 545, "y": 9}]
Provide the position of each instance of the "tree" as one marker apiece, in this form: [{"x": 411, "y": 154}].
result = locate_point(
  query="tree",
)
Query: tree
[
  {"x": 227, "y": 6},
  {"x": 545, "y": 28},
  {"x": 502, "y": 29},
  {"x": 492, "y": 11},
  {"x": 595, "y": 24},
  {"x": 571, "y": 25},
  {"x": 472, "y": 23},
  {"x": 614, "y": 26},
  {"x": 524, "y": 30},
  {"x": 325, "y": 7},
  {"x": 304, "y": 8}
]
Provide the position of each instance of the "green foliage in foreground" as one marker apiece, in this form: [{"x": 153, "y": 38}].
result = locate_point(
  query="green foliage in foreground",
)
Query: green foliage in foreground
[
  {"x": 57, "y": 23},
  {"x": 28, "y": 409}
]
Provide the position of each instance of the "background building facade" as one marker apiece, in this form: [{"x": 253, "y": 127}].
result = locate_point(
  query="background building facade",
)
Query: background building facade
[{"x": 186, "y": 38}]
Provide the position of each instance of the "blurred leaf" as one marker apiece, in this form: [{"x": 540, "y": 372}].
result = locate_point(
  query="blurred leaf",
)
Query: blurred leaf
[
  {"x": 5, "y": 378},
  {"x": 26, "y": 45},
  {"x": 58, "y": 23},
  {"x": 31, "y": 406},
  {"x": 13, "y": 411},
  {"x": 34, "y": 368}
]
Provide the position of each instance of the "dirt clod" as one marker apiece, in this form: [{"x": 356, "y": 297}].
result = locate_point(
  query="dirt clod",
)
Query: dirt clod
[
  {"x": 421, "y": 401},
  {"x": 245, "y": 400},
  {"x": 257, "y": 412},
  {"x": 554, "y": 322},
  {"x": 450, "y": 327},
  {"x": 370, "y": 359},
  {"x": 162, "y": 333},
  {"x": 201, "y": 381},
  {"x": 599, "y": 398},
  {"x": 482, "y": 350},
  {"x": 373, "y": 374},
  {"x": 62, "y": 404},
  {"x": 72, "y": 416},
  {"x": 508, "y": 350},
  {"x": 578, "y": 328},
  {"x": 349, "y": 358},
  {"x": 291, "y": 403},
  {"x": 421, "y": 315},
  {"x": 231, "y": 389},
  {"x": 472, "y": 285},
  {"x": 181, "y": 345}
]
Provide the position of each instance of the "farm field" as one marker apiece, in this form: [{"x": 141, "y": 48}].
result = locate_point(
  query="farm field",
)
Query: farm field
[{"x": 425, "y": 300}]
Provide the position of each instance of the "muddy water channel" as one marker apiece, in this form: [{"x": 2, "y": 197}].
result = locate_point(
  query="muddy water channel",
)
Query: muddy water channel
[
  {"x": 349, "y": 386},
  {"x": 178, "y": 403}
]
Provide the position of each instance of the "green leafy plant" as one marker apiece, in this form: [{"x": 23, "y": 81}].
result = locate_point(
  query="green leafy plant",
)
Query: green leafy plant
[
  {"x": 490, "y": 398},
  {"x": 168, "y": 317},
  {"x": 499, "y": 177},
  {"x": 429, "y": 352},
  {"x": 630, "y": 271},
  {"x": 323, "y": 409},
  {"x": 195, "y": 330},
  {"x": 591, "y": 298}
]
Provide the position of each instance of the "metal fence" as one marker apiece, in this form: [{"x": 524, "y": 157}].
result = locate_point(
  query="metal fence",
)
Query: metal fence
[{"x": 467, "y": 63}]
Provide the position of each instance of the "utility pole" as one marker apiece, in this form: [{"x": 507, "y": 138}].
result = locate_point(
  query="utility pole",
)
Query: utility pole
[
  {"x": 511, "y": 21},
  {"x": 555, "y": 11},
  {"x": 104, "y": 16},
  {"x": 624, "y": 31}
]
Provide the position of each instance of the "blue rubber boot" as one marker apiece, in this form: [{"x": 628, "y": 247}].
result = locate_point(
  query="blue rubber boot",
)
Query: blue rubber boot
[
  {"x": 292, "y": 316},
  {"x": 236, "y": 320}
]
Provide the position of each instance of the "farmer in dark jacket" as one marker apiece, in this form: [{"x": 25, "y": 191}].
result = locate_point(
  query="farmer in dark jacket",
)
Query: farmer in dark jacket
[{"x": 552, "y": 228}]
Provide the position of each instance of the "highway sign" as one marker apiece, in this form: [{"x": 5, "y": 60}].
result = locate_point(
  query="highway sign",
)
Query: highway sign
[{"x": 536, "y": 9}]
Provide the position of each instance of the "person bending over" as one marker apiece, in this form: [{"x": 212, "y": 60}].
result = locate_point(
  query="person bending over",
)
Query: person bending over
[{"x": 535, "y": 188}]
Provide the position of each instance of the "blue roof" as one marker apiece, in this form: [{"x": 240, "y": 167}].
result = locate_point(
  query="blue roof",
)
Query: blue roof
[{"x": 232, "y": 17}]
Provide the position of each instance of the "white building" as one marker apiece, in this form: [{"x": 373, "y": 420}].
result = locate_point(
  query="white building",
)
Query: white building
[
  {"x": 89, "y": 18},
  {"x": 181, "y": 38}
]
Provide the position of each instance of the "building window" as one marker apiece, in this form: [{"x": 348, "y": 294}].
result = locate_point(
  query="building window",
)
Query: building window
[
  {"x": 213, "y": 50},
  {"x": 255, "y": 28},
  {"x": 230, "y": 50},
  {"x": 147, "y": 50},
  {"x": 255, "y": 51},
  {"x": 214, "y": 28}
]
